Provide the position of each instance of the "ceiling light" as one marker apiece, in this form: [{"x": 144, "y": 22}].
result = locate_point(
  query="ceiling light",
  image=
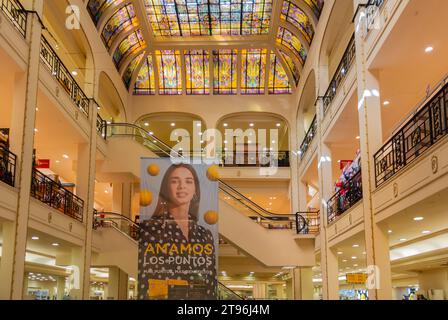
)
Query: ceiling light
[
  {"x": 340, "y": 252},
  {"x": 146, "y": 124},
  {"x": 98, "y": 108},
  {"x": 354, "y": 258},
  {"x": 279, "y": 125},
  {"x": 65, "y": 156},
  {"x": 35, "y": 130},
  {"x": 344, "y": 260},
  {"x": 358, "y": 138},
  {"x": 355, "y": 265},
  {"x": 386, "y": 103},
  {"x": 403, "y": 239},
  {"x": 418, "y": 218},
  {"x": 429, "y": 49},
  {"x": 173, "y": 124},
  {"x": 426, "y": 232},
  {"x": 389, "y": 232},
  {"x": 34, "y": 238},
  {"x": 225, "y": 125},
  {"x": 273, "y": 141},
  {"x": 251, "y": 124},
  {"x": 57, "y": 161},
  {"x": 356, "y": 246},
  {"x": 55, "y": 244},
  {"x": 75, "y": 73}
]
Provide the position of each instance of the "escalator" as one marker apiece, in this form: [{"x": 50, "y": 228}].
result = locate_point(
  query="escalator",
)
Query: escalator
[
  {"x": 244, "y": 223},
  {"x": 225, "y": 293}
]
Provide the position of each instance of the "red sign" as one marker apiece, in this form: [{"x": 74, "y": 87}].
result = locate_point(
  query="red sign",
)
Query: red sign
[
  {"x": 43, "y": 164},
  {"x": 344, "y": 163}
]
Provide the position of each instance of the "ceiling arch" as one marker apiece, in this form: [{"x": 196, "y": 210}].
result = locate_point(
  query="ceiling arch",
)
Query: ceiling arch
[{"x": 234, "y": 53}]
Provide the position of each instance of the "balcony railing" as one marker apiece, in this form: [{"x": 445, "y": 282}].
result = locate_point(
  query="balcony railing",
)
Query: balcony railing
[
  {"x": 16, "y": 13},
  {"x": 101, "y": 126},
  {"x": 255, "y": 159},
  {"x": 341, "y": 73},
  {"x": 60, "y": 72},
  {"x": 308, "y": 138},
  {"x": 308, "y": 222},
  {"x": 426, "y": 127},
  {"x": 53, "y": 194},
  {"x": 349, "y": 195},
  {"x": 7, "y": 167}
]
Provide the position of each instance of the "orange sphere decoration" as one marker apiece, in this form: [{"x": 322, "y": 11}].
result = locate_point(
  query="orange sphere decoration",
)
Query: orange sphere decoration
[
  {"x": 153, "y": 170},
  {"x": 211, "y": 217},
  {"x": 145, "y": 198},
  {"x": 213, "y": 173}
]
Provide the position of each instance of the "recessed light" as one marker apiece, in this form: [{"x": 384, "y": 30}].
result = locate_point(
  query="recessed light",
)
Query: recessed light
[
  {"x": 225, "y": 124},
  {"x": 55, "y": 244},
  {"x": 354, "y": 258},
  {"x": 65, "y": 156},
  {"x": 355, "y": 265},
  {"x": 389, "y": 232},
  {"x": 273, "y": 141},
  {"x": 344, "y": 260},
  {"x": 173, "y": 124},
  {"x": 35, "y": 130},
  {"x": 75, "y": 73},
  {"x": 386, "y": 103},
  {"x": 251, "y": 124},
  {"x": 356, "y": 246},
  {"x": 34, "y": 238},
  {"x": 146, "y": 124},
  {"x": 279, "y": 125},
  {"x": 429, "y": 49},
  {"x": 426, "y": 232},
  {"x": 37, "y": 109},
  {"x": 98, "y": 108},
  {"x": 358, "y": 138},
  {"x": 340, "y": 252},
  {"x": 403, "y": 239},
  {"x": 418, "y": 218}
]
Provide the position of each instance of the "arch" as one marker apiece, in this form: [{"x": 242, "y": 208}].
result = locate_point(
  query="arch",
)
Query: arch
[{"x": 112, "y": 107}]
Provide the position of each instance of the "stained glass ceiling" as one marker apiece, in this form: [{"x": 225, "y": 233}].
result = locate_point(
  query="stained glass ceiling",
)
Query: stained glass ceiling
[{"x": 156, "y": 58}]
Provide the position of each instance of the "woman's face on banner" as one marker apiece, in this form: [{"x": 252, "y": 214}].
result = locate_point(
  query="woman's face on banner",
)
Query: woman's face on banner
[{"x": 182, "y": 186}]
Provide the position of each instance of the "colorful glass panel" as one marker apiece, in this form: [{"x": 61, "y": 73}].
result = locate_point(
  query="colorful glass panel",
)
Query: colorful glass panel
[
  {"x": 293, "y": 14},
  {"x": 169, "y": 66},
  {"x": 292, "y": 67},
  {"x": 316, "y": 6},
  {"x": 278, "y": 79},
  {"x": 224, "y": 75},
  {"x": 253, "y": 75},
  {"x": 127, "y": 76},
  {"x": 288, "y": 39},
  {"x": 129, "y": 45},
  {"x": 97, "y": 8},
  {"x": 197, "y": 68},
  {"x": 122, "y": 19},
  {"x": 145, "y": 83},
  {"x": 209, "y": 17}
]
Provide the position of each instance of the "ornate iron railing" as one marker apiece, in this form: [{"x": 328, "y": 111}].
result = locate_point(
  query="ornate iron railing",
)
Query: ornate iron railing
[
  {"x": 309, "y": 137},
  {"x": 7, "y": 166},
  {"x": 341, "y": 73},
  {"x": 53, "y": 194},
  {"x": 16, "y": 13},
  {"x": 345, "y": 198},
  {"x": 428, "y": 125},
  {"x": 101, "y": 126},
  {"x": 255, "y": 159},
  {"x": 60, "y": 72},
  {"x": 308, "y": 222}
]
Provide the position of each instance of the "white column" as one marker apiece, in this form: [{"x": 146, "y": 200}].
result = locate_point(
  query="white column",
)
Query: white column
[
  {"x": 370, "y": 124},
  {"x": 260, "y": 290},
  {"x": 303, "y": 283},
  {"x": 118, "y": 284}
]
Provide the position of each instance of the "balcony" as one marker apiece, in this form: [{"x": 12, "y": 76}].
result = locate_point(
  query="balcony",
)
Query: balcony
[
  {"x": 15, "y": 13},
  {"x": 348, "y": 195},
  {"x": 7, "y": 167},
  {"x": 101, "y": 126},
  {"x": 309, "y": 137},
  {"x": 54, "y": 195},
  {"x": 341, "y": 73},
  {"x": 255, "y": 159},
  {"x": 60, "y": 72},
  {"x": 308, "y": 222},
  {"x": 424, "y": 129}
]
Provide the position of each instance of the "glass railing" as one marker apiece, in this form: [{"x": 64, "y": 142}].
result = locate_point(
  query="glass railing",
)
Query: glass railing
[
  {"x": 54, "y": 195},
  {"x": 16, "y": 13},
  {"x": 343, "y": 69},
  {"x": 348, "y": 195},
  {"x": 425, "y": 128},
  {"x": 60, "y": 72},
  {"x": 116, "y": 221},
  {"x": 7, "y": 167},
  {"x": 225, "y": 293},
  {"x": 232, "y": 196},
  {"x": 309, "y": 137}
]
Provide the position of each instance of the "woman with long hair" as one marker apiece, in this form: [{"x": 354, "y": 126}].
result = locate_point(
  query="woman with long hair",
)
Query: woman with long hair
[{"x": 177, "y": 248}]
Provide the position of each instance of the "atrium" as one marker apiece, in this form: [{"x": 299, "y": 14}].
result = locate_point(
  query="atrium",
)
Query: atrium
[{"x": 314, "y": 133}]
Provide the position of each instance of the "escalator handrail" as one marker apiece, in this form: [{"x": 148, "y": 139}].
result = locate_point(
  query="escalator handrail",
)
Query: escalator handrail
[
  {"x": 230, "y": 290},
  {"x": 118, "y": 217},
  {"x": 145, "y": 136}
]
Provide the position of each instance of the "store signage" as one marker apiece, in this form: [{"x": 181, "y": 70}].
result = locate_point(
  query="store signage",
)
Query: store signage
[
  {"x": 356, "y": 278},
  {"x": 178, "y": 240},
  {"x": 43, "y": 164}
]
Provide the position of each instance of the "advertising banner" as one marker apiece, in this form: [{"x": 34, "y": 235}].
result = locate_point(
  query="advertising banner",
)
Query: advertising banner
[{"x": 178, "y": 242}]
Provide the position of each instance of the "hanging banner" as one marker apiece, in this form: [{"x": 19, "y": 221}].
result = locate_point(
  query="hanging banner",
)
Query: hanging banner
[{"x": 178, "y": 243}]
